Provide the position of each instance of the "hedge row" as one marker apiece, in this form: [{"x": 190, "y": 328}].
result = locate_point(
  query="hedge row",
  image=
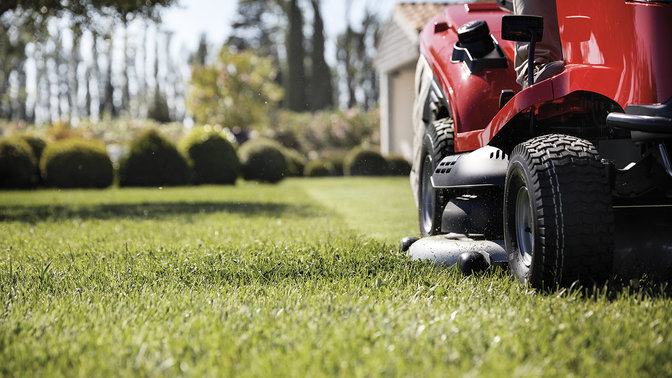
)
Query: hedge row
[{"x": 203, "y": 157}]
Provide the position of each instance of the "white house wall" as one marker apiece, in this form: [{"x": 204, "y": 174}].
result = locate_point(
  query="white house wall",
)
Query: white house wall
[{"x": 401, "y": 94}]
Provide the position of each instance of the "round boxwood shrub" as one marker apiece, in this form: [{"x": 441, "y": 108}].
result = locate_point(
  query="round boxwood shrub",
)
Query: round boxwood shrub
[
  {"x": 319, "y": 168},
  {"x": 337, "y": 163},
  {"x": 365, "y": 162},
  {"x": 296, "y": 163},
  {"x": 262, "y": 160},
  {"x": 213, "y": 157},
  {"x": 76, "y": 163},
  {"x": 36, "y": 144},
  {"x": 153, "y": 161},
  {"x": 18, "y": 167},
  {"x": 398, "y": 165}
]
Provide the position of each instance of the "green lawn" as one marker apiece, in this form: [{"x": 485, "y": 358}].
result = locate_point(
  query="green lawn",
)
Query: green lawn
[{"x": 299, "y": 279}]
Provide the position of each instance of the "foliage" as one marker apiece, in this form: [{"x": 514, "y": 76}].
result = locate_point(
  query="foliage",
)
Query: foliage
[
  {"x": 355, "y": 51},
  {"x": 263, "y": 160},
  {"x": 76, "y": 163},
  {"x": 62, "y": 130},
  {"x": 154, "y": 161},
  {"x": 259, "y": 25},
  {"x": 297, "y": 82},
  {"x": 36, "y": 143},
  {"x": 238, "y": 90},
  {"x": 18, "y": 167},
  {"x": 327, "y": 133},
  {"x": 296, "y": 162},
  {"x": 200, "y": 56},
  {"x": 85, "y": 9},
  {"x": 338, "y": 164},
  {"x": 398, "y": 165},
  {"x": 213, "y": 157},
  {"x": 321, "y": 94},
  {"x": 158, "y": 108},
  {"x": 319, "y": 168},
  {"x": 123, "y": 131},
  {"x": 365, "y": 162}
]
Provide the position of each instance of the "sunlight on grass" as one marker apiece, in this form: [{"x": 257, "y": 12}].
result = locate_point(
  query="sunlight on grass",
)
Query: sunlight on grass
[
  {"x": 289, "y": 280},
  {"x": 379, "y": 208}
]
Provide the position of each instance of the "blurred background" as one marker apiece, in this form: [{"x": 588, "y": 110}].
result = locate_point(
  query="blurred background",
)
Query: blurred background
[{"x": 302, "y": 73}]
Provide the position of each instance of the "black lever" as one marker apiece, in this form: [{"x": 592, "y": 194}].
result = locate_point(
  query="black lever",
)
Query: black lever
[{"x": 524, "y": 28}]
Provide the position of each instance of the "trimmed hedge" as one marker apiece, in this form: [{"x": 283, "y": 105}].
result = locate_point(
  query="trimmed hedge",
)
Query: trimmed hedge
[
  {"x": 76, "y": 163},
  {"x": 398, "y": 165},
  {"x": 296, "y": 163},
  {"x": 263, "y": 160},
  {"x": 365, "y": 162},
  {"x": 36, "y": 144},
  {"x": 154, "y": 161},
  {"x": 18, "y": 167},
  {"x": 213, "y": 157},
  {"x": 338, "y": 164},
  {"x": 319, "y": 168}
]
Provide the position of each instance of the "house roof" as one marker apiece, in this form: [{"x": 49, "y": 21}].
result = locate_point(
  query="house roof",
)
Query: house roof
[
  {"x": 416, "y": 15},
  {"x": 398, "y": 44}
]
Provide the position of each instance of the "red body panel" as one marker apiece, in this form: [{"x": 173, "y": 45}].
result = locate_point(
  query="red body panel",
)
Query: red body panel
[
  {"x": 621, "y": 50},
  {"x": 473, "y": 98}
]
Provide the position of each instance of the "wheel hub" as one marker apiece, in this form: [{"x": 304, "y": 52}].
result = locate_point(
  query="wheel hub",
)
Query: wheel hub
[
  {"x": 523, "y": 223},
  {"x": 427, "y": 200}
]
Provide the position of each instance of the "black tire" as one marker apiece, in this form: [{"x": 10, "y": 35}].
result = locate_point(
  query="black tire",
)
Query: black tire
[
  {"x": 437, "y": 144},
  {"x": 558, "y": 217}
]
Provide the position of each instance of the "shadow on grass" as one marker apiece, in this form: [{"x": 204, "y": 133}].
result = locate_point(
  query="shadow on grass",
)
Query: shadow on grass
[{"x": 154, "y": 210}]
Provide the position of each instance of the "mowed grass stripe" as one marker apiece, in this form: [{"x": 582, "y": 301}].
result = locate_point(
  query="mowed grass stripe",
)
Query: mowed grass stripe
[{"x": 260, "y": 280}]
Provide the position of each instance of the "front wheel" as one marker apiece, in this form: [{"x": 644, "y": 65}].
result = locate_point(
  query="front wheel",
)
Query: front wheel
[
  {"x": 437, "y": 144},
  {"x": 557, "y": 212}
]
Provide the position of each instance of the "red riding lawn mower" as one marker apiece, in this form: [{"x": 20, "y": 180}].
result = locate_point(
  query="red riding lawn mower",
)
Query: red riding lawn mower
[{"x": 567, "y": 180}]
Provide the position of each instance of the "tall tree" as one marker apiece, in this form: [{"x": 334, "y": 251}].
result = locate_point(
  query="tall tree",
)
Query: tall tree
[
  {"x": 200, "y": 56},
  {"x": 321, "y": 92},
  {"x": 84, "y": 9},
  {"x": 355, "y": 57},
  {"x": 58, "y": 73},
  {"x": 107, "y": 101},
  {"x": 258, "y": 26},
  {"x": 296, "y": 55},
  {"x": 74, "y": 62},
  {"x": 158, "y": 107},
  {"x": 125, "y": 90},
  {"x": 346, "y": 52},
  {"x": 238, "y": 90},
  {"x": 94, "y": 77},
  {"x": 368, "y": 77}
]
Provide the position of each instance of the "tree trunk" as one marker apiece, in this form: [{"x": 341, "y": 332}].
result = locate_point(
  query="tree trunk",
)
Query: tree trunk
[
  {"x": 321, "y": 93},
  {"x": 296, "y": 78}
]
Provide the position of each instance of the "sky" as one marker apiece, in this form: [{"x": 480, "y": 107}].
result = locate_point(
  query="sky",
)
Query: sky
[{"x": 192, "y": 17}]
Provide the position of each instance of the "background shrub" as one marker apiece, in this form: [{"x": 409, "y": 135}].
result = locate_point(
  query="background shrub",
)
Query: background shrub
[
  {"x": 76, "y": 163},
  {"x": 213, "y": 157},
  {"x": 365, "y": 162},
  {"x": 296, "y": 163},
  {"x": 18, "y": 167},
  {"x": 319, "y": 168},
  {"x": 337, "y": 163},
  {"x": 262, "y": 160},
  {"x": 398, "y": 165},
  {"x": 326, "y": 132},
  {"x": 36, "y": 144},
  {"x": 153, "y": 161}
]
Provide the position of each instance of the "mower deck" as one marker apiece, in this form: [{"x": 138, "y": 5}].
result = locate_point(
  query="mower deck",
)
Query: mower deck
[{"x": 642, "y": 245}]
